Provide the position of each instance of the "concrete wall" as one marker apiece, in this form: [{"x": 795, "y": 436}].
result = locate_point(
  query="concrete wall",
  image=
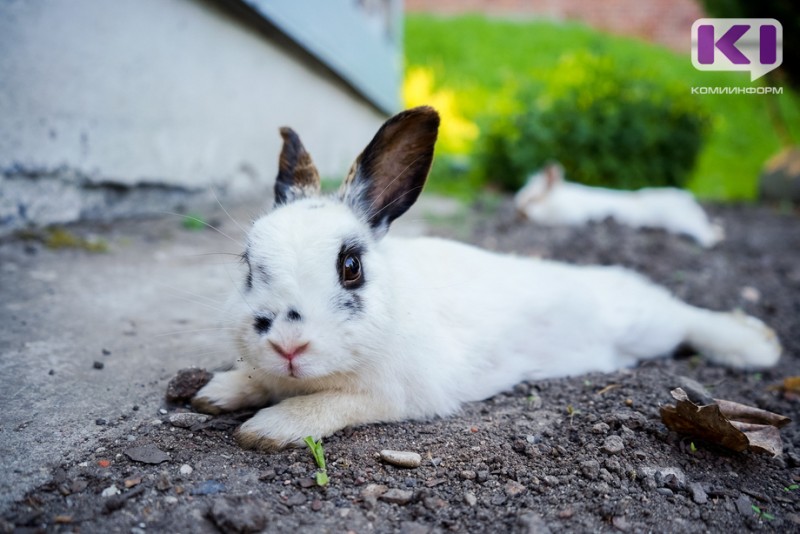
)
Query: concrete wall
[{"x": 167, "y": 95}]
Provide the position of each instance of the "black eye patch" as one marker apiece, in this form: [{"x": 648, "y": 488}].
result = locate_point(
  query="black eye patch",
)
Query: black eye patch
[
  {"x": 262, "y": 324},
  {"x": 350, "y": 264}
]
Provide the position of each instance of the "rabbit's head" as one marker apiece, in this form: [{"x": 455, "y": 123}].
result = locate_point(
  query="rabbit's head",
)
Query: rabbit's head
[
  {"x": 539, "y": 186},
  {"x": 316, "y": 297}
]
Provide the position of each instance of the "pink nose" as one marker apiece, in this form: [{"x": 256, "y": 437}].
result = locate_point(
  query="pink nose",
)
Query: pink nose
[{"x": 289, "y": 351}]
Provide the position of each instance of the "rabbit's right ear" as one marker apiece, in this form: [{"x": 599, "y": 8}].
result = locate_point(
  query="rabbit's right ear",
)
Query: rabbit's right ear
[
  {"x": 297, "y": 175},
  {"x": 388, "y": 176}
]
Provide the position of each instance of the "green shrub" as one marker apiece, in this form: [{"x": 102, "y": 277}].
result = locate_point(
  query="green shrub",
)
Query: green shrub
[{"x": 606, "y": 125}]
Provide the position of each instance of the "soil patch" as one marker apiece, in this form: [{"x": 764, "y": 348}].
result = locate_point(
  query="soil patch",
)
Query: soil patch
[{"x": 585, "y": 453}]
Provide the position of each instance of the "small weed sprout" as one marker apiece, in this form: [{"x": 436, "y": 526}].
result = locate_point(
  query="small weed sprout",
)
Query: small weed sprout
[
  {"x": 791, "y": 487},
  {"x": 571, "y": 411},
  {"x": 761, "y": 514},
  {"x": 319, "y": 456},
  {"x": 692, "y": 447}
]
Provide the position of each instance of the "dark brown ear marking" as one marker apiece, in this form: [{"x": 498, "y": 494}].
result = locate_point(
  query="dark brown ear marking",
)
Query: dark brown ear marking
[
  {"x": 297, "y": 175},
  {"x": 389, "y": 175}
]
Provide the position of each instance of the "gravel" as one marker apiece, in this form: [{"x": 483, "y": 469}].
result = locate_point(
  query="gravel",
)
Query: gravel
[{"x": 518, "y": 462}]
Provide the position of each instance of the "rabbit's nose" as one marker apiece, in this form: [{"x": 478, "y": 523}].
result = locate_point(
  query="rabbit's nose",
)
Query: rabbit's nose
[{"x": 289, "y": 351}]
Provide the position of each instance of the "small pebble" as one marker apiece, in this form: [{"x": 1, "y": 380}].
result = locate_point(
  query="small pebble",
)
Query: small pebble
[
  {"x": 171, "y": 499},
  {"x": 601, "y": 428},
  {"x": 162, "y": 411},
  {"x": 613, "y": 445},
  {"x": 514, "y": 488},
  {"x": 750, "y": 294},
  {"x": 470, "y": 498},
  {"x": 699, "y": 496},
  {"x": 401, "y": 458},
  {"x": 186, "y": 469},
  {"x": 397, "y": 496},
  {"x": 106, "y": 352},
  {"x": 100, "y": 421},
  {"x": 110, "y": 491},
  {"x": 98, "y": 365},
  {"x": 316, "y": 505},
  {"x": 187, "y": 419}
]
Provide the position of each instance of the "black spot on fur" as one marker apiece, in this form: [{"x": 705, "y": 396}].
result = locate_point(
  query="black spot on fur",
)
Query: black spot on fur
[
  {"x": 262, "y": 324},
  {"x": 293, "y": 315},
  {"x": 354, "y": 303}
]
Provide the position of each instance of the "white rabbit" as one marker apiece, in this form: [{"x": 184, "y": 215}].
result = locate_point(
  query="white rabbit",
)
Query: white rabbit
[
  {"x": 340, "y": 325},
  {"x": 548, "y": 199}
]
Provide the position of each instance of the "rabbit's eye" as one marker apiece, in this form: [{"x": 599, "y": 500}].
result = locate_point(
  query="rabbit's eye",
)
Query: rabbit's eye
[{"x": 351, "y": 271}]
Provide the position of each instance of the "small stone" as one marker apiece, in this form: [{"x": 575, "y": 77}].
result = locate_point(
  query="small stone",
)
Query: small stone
[
  {"x": 98, "y": 365},
  {"x": 306, "y": 483},
  {"x": 467, "y": 474},
  {"x": 470, "y": 498},
  {"x": 171, "y": 499},
  {"x": 750, "y": 294},
  {"x": 566, "y": 513},
  {"x": 499, "y": 499},
  {"x": 613, "y": 445},
  {"x": 373, "y": 491},
  {"x": 744, "y": 506},
  {"x": 187, "y": 419},
  {"x": 405, "y": 459},
  {"x": 186, "y": 383},
  {"x": 186, "y": 469},
  {"x": 110, "y": 491},
  {"x": 664, "y": 491},
  {"x": 238, "y": 514},
  {"x": 601, "y": 428},
  {"x": 106, "y": 352},
  {"x": 434, "y": 503},
  {"x": 162, "y": 411},
  {"x": 298, "y": 499},
  {"x": 316, "y": 505},
  {"x": 100, "y": 421},
  {"x": 590, "y": 469},
  {"x": 550, "y": 480},
  {"x": 514, "y": 488},
  {"x": 397, "y": 496},
  {"x": 699, "y": 496},
  {"x": 147, "y": 454},
  {"x": 209, "y": 487}
]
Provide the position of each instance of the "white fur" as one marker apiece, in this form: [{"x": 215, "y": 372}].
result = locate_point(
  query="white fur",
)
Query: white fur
[
  {"x": 430, "y": 323},
  {"x": 443, "y": 323},
  {"x": 548, "y": 199}
]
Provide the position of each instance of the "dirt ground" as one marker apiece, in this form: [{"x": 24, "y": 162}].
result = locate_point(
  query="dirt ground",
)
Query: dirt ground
[{"x": 579, "y": 454}]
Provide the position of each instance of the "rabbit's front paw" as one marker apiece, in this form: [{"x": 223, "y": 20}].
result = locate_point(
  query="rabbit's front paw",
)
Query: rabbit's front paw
[
  {"x": 316, "y": 415},
  {"x": 271, "y": 429},
  {"x": 229, "y": 391}
]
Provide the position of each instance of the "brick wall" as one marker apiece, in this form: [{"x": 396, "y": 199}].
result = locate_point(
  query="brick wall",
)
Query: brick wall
[{"x": 666, "y": 22}]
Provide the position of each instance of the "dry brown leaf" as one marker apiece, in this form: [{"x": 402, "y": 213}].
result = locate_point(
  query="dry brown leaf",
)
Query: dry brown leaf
[{"x": 733, "y": 425}]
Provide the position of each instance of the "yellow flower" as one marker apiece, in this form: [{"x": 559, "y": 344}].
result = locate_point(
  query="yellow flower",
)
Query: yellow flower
[{"x": 456, "y": 133}]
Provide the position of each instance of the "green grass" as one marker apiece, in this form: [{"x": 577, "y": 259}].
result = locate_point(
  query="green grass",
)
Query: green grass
[{"x": 485, "y": 60}]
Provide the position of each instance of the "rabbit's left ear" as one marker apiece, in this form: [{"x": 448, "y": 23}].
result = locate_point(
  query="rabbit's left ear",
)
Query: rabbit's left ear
[
  {"x": 297, "y": 175},
  {"x": 388, "y": 176}
]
